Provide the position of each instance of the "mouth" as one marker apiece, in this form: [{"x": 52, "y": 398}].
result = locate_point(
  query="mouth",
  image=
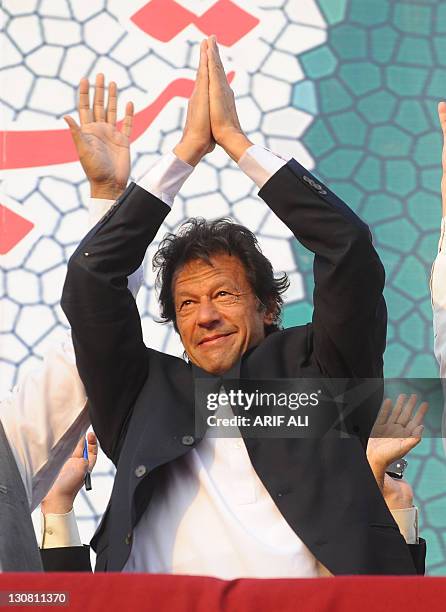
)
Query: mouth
[{"x": 214, "y": 340}]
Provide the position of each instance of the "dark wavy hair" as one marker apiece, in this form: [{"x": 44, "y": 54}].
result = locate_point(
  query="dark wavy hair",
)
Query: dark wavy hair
[{"x": 200, "y": 239}]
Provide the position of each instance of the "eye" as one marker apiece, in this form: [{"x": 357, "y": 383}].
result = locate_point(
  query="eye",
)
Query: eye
[
  {"x": 225, "y": 297},
  {"x": 185, "y": 304}
]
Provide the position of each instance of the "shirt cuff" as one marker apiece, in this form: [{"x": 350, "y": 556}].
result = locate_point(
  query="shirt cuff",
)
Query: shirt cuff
[
  {"x": 260, "y": 164},
  {"x": 59, "y": 530},
  {"x": 166, "y": 177},
  {"x": 97, "y": 207},
  {"x": 407, "y": 521}
]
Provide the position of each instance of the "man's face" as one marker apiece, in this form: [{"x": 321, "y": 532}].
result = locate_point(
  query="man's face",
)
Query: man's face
[{"x": 218, "y": 315}]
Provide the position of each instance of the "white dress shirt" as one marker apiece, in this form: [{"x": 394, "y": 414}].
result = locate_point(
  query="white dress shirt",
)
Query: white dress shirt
[{"x": 212, "y": 515}]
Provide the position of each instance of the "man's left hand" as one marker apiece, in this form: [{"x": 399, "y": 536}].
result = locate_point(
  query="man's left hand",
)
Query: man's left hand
[
  {"x": 197, "y": 139},
  {"x": 225, "y": 124}
]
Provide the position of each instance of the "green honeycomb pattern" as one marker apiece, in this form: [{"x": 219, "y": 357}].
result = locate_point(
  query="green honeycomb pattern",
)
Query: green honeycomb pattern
[{"x": 373, "y": 88}]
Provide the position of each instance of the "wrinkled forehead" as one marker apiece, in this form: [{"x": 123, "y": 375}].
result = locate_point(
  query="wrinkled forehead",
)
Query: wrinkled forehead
[{"x": 200, "y": 274}]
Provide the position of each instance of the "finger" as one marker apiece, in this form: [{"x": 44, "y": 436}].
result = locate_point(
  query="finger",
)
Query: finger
[
  {"x": 385, "y": 411},
  {"x": 79, "y": 450},
  {"x": 215, "y": 52},
  {"x": 92, "y": 450},
  {"x": 98, "y": 101},
  {"x": 74, "y": 129},
  {"x": 420, "y": 414},
  {"x": 393, "y": 417},
  {"x": 407, "y": 444},
  {"x": 418, "y": 432},
  {"x": 85, "y": 112},
  {"x": 214, "y": 60},
  {"x": 127, "y": 124},
  {"x": 112, "y": 103},
  {"x": 202, "y": 72},
  {"x": 93, "y": 445},
  {"x": 442, "y": 116},
  {"x": 406, "y": 412},
  {"x": 201, "y": 88}
]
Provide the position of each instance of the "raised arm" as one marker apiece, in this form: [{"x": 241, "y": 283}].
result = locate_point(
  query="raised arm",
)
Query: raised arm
[
  {"x": 110, "y": 353},
  {"x": 349, "y": 321},
  {"x": 105, "y": 324}
]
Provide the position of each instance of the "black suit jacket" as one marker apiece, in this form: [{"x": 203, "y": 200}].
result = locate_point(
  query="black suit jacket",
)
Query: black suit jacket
[{"x": 142, "y": 400}]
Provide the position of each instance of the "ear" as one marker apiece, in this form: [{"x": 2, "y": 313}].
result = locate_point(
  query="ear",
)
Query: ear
[{"x": 270, "y": 315}]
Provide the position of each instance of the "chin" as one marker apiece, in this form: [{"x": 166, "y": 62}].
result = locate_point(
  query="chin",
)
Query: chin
[{"x": 218, "y": 366}]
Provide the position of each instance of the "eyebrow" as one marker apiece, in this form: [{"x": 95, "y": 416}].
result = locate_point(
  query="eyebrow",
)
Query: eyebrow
[{"x": 228, "y": 284}]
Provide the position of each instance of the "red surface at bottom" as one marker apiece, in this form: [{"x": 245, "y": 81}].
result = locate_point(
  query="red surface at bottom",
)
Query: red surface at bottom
[{"x": 156, "y": 593}]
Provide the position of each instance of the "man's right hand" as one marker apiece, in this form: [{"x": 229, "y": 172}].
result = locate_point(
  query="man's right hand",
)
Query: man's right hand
[{"x": 104, "y": 151}]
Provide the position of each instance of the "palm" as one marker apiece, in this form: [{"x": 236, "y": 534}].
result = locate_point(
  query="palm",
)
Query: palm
[
  {"x": 397, "y": 430},
  {"x": 104, "y": 153},
  {"x": 391, "y": 449},
  {"x": 71, "y": 477}
]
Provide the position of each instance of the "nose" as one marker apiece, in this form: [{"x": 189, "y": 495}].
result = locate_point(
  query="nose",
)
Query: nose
[{"x": 207, "y": 314}]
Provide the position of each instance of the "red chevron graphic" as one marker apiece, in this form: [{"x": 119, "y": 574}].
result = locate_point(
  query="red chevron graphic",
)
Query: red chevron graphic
[
  {"x": 28, "y": 149},
  {"x": 13, "y": 228},
  {"x": 165, "y": 19}
]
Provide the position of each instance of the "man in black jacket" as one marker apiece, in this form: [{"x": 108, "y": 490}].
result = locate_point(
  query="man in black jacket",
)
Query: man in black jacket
[{"x": 187, "y": 504}]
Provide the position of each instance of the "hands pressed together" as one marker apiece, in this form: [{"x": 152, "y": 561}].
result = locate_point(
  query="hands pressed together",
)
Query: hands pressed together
[
  {"x": 103, "y": 145},
  {"x": 211, "y": 114}
]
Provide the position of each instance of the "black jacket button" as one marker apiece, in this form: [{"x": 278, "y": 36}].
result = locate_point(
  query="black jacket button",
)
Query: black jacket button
[
  {"x": 188, "y": 440},
  {"x": 128, "y": 538}
]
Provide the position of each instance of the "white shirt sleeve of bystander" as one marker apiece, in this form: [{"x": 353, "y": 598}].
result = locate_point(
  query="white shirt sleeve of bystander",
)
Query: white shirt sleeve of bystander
[
  {"x": 59, "y": 530},
  {"x": 44, "y": 417}
]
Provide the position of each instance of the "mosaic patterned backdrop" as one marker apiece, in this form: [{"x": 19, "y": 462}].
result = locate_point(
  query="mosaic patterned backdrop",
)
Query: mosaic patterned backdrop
[{"x": 348, "y": 87}]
